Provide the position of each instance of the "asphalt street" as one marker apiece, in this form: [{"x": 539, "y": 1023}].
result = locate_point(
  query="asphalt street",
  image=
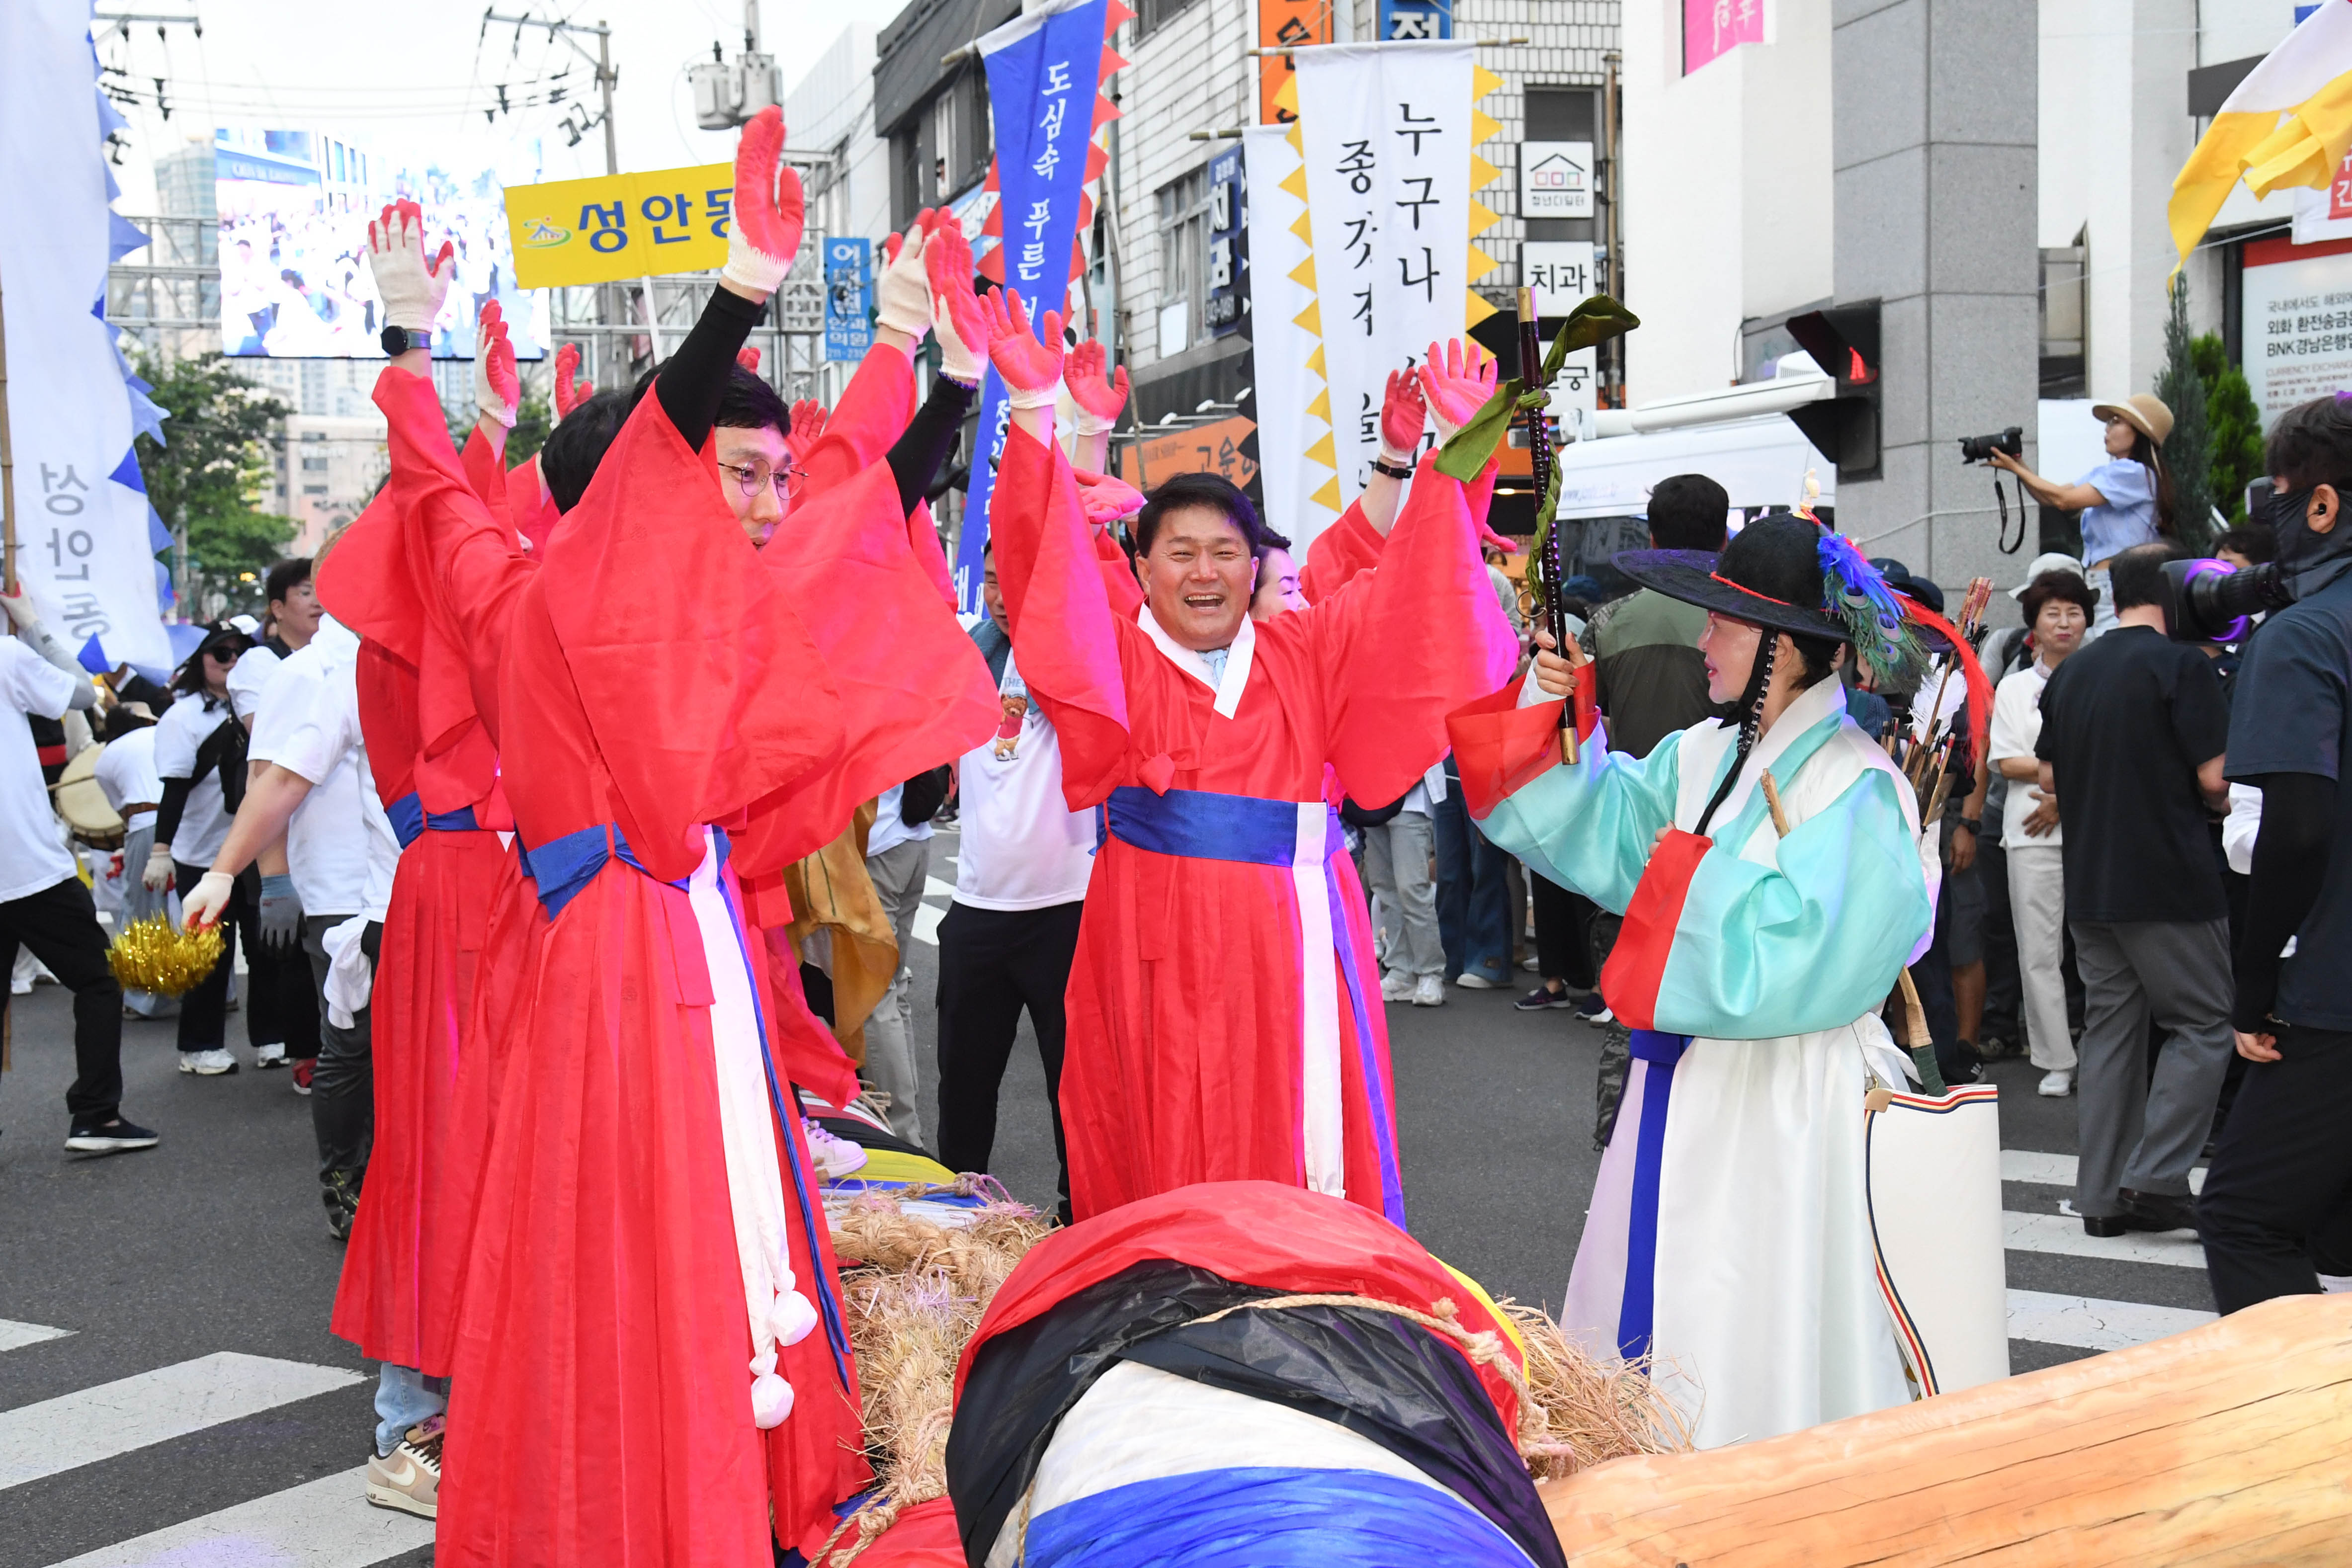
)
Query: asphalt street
[{"x": 170, "y": 1393}]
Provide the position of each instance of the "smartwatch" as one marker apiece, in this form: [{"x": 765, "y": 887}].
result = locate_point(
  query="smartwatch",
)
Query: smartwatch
[
  {"x": 398, "y": 341},
  {"x": 1381, "y": 466},
  {"x": 1973, "y": 824}
]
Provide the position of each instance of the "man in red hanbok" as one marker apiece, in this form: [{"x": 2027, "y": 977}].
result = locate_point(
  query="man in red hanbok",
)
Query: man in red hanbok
[{"x": 1221, "y": 1026}]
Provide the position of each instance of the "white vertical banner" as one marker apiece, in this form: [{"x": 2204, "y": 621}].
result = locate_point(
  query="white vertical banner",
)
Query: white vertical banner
[
  {"x": 1387, "y": 133},
  {"x": 83, "y": 542},
  {"x": 1286, "y": 386}
]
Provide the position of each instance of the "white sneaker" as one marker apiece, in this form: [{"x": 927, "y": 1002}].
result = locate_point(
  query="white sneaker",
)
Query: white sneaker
[
  {"x": 1429, "y": 991},
  {"x": 1471, "y": 980},
  {"x": 1397, "y": 987},
  {"x": 208, "y": 1063},
  {"x": 833, "y": 1158},
  {"x": 2056, "y": 1085},
  {"x": 1532, "y": 964},
  {"x": 271, "y": 1055}
]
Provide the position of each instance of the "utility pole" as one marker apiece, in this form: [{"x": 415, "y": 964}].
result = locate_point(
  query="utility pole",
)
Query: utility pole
[{"x": 606, "y": 80}]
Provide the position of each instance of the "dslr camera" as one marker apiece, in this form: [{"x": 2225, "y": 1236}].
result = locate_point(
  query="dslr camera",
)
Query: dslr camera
[
  {"x": 1980, "y": 448},
  {"x": 2206, "y": 601}
]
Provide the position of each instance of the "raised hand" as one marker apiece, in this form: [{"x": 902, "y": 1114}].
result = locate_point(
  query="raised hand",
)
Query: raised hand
[
  {"x": 956, "y": 315},
  {"x": 569, "y": 391},
  {"x": 1403, "y": 412},
  {"x": 1031, "y": 369},
  {"x": 902, "y": 295},
  {"x": 497, "y": 384},
  {"x": 748, "y": 356},
  {"x": 809, "y": 418},
  {"x": 411, "y": 288},
  {"x": 1098, "y": 401},
  {"x": 764, "y": 234},
  {"x": 1457, "y": 382}
]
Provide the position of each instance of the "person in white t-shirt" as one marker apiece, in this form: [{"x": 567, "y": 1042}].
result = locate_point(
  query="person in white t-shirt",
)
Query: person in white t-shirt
[
  {"x": 126, "y": 775},
  {"x": 1397, "y": 867},
  {"x": 1012, "y": 928},
  {"x": 2058, "y": 607},
  {"x": 898, "y": 862},
  {"x": 313, "y": 787},
  {"x": 43, "y": 905}
]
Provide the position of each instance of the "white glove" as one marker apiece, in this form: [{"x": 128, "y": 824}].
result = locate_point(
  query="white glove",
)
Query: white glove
[
  {"x": 158, "y": 875},
  {"x": 411, "y": 288},
  {"x": 902, "y": 297},
  {"x": 203, "y": 906},
  {"x": 763, "y": 236},
  {"x": 19, "y": 607}
]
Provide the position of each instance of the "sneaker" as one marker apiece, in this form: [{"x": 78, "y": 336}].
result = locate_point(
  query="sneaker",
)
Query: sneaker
[
  {"x": 340, "y": 1194},
  {"x": 1472, "y": 980},
  {"x": 108, "y": 1137},
  {"x": 1429, "y": 991},
  {"x": 301, "y": 1074},
  {"x": 1543, "y": 997},
  {"x": 409, "y": 1480},
  {"x": 269, "y": 1056},
  {"x": 1396, "y": 986},
  {"x": 1532, "y": 964},
  {"x": 208, "y": 1063},
  {"x": 2056, "y": 1085},
  {"x": 1593, "y": 1009},
  {"x": 833, "y": 1158}
]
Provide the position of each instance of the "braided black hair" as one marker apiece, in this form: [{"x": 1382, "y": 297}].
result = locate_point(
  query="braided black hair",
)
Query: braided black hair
[{"x": 1751, "y": 721}]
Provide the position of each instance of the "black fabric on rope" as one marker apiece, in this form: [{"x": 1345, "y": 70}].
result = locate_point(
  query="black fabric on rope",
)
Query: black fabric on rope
[{"x": 1751, "y": 720}]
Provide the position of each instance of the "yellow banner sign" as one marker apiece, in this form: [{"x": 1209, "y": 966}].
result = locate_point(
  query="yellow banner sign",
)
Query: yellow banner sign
[{"x": 621, "y": 225}]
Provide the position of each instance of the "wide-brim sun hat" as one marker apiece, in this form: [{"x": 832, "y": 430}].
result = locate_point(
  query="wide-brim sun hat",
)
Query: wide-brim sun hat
[{"x": 2143, "y": 412}]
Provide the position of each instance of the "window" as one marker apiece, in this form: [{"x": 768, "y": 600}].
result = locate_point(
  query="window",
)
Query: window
[
  {"x": 314, "y": 465},
  {"x": 1154, "y": 14},
  {"x": 1183, "y": 260}
]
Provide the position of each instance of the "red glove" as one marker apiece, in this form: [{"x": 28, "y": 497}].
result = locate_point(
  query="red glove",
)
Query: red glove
[
  {"x": 1403, "y": 412},
  {"x": 1031, "y": 369},
  {"x": 764, "y": 234},
  {"x": 748, "y": 356},
  {"x": 570, "y": 392},
  {"x": 808, "y": 424},
  {"x": 1099, "y": 401},
  {"x": 497, "y": 387},
  {"x": 955, "y": 317},
  {"x": 1457, "y": 384}
]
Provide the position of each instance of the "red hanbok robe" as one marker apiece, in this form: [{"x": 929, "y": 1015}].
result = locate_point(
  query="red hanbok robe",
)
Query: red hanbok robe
[{"x": 1219, "y": 1025}]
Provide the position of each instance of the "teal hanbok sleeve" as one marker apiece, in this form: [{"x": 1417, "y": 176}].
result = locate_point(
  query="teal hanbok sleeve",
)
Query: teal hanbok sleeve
[{"x": 1589, "y": 825}]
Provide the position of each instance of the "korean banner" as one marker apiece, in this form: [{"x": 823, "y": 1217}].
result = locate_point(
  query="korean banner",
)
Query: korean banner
[
  {"x": 1387, "y": 134},
  {"x": 620, "y": 226},
  {"x": 86, "y": 537},
  {"x": 848, "y": 298},
  {"x": 1287, "y": 388},
  {"x": 1043, "y": 72},
  {"x": 1713, "y": 28}
]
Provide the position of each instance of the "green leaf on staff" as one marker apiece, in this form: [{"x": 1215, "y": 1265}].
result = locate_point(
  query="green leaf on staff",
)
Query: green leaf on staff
[
  {"x": 1594, "y": 321},
  {"x": 1474, "y": 444}
]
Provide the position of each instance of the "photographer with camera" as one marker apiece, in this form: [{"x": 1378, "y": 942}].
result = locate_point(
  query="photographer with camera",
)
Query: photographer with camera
[
  {"x": 2125, "y": 501},
  {"x": 2277, "y": 1210}
]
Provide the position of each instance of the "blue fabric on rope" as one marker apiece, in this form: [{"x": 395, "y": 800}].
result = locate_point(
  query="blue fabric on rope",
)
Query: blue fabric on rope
[
  {"x": 1270, "y": 1518},
  {"x": 1202, "y": 824},
  {"x": 1635, "y": 1310}
]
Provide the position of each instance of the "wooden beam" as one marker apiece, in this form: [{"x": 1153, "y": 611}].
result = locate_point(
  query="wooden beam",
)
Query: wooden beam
[{"x": 2230, "y": 1443}]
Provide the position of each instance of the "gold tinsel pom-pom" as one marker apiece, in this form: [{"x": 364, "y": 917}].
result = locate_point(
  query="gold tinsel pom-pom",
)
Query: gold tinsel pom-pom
[{"x": 150, "y": 955}]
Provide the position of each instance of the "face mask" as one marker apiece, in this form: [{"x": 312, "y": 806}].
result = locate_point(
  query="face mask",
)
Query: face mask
[{"x": 2307, "y": 561}]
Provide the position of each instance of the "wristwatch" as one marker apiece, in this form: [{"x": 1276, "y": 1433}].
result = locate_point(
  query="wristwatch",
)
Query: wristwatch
[
  {"x": 398, "y": 341},
  {"x": 1973, "y": 824},
  {"x": 1381, "y": 466}
]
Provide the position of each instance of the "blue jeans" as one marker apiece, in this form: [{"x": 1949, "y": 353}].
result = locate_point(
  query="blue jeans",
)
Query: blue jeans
[
  {"x": 1474, "y": 916},
  {"x": 403, "y": 1397}
]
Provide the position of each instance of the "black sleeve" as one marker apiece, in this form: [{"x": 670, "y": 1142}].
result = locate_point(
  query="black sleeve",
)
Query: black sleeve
[
  {"x": 693, "y": 378},
  {"x": 2291, "y": 857},
  {"x": 930, "y": 436},
  {"x": 167, "y": 814}
]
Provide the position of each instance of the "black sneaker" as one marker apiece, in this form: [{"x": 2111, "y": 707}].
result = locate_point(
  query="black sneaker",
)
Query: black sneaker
[
  {"x": 112, "y": 1138},
  {"x": 1542, "y": 998},
  {"x": 340, "y": 1194},
  {"x": 1593, "y": 1009}
]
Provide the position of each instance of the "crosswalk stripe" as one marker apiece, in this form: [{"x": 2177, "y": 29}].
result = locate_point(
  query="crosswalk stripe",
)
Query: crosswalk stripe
[
  {"x": 17, "y": 1336},
  {"x": 325, "y": 1524},
  {"x": 2058, "y": 1170},
  {"x": 934, "y": 888},
  {"x": 2085, "y": 1322},
  {"x": 927, "y": 923},
  {"x": 94, "y": 1424},
  {"x": 2063, "y": 1233}
]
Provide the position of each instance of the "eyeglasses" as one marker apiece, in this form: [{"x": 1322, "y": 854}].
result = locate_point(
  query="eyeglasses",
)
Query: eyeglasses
[{"x": 753, "y": 477}]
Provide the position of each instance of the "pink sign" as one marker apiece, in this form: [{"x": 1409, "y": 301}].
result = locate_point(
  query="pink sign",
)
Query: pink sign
[
  {"x": 1713, "y": 27},
  {"x": 2340, "y": 190}
]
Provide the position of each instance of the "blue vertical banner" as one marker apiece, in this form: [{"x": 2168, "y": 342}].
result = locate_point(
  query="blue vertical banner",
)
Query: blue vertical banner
[
  {"x": 1043, "y": 72},
  {"x": 848, "y": 298}
]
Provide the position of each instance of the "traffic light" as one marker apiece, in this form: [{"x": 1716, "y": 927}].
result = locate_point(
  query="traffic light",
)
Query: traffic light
[{"x": 1843, "y": 341}]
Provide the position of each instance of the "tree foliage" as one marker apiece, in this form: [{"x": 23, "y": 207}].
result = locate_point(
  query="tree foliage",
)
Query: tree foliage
[
  {"x": 2237, "y": 425},
  {"x": 2188, "y": 452},
  {"x": 205, "y": 475}
]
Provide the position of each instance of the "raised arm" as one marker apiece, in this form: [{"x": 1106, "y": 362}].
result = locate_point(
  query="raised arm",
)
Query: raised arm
[
  {"x": 1098, "y": 404},
  {"x": 875, "y": 407}
]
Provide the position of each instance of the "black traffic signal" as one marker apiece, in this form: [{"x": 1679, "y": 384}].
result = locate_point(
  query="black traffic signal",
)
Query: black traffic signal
[{"x": 1843, "y": 341}]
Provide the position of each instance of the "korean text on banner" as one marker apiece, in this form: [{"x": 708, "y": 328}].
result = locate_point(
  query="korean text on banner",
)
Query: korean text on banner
[
  {"x": 1286, "y": 24},
  {"x": 620, "y": 226},
  {"x": 1282, "y": 350},
  {"x": 1713, "y": 28},
  {"x": 1387, "y": 131},
  {"x": 86, "y": 537},
  {"x": 1042, "y": 73},
  {"x": 848, "y": 298}
]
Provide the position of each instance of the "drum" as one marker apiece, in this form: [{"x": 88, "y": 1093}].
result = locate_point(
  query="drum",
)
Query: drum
[
  {"x": 1936, "y": 1228},
  {"x": 90, "y": 817}
]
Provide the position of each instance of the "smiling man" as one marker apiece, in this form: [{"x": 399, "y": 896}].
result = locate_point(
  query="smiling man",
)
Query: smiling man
[{"x": 1223, "y": 1013}]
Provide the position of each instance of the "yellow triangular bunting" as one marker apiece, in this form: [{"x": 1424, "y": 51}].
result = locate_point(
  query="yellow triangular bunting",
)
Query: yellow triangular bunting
[
  {"x": 1314, "y": 360},
  {"x": 1322, "y": 407},
  {"x": 1288, "y": 97},
  {"x": 1483, "y": 81},
  {"x": 1483, "y": 125},
  {"x": 1303, "y": 230},
  {"x": 1311, "y": 318},
  {"x": 1304, "y": 272},
  {"x": 1297, "y": 139},
  {"x": 1481, "y": 263},
  {"x": 1482, "y": 173},
  {"x": 1482, "y": 217},
  {"x": 1321, "y": 452},
  {"x": 1296, "y": 182},
  {"x": 1328, "y": 496},
  {"x": 1475, "y": 311}
]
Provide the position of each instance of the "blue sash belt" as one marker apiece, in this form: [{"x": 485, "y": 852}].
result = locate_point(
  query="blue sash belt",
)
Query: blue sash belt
[
  {"x": 1660, "y": 1053},
  {"x": 410, "y": 820},
  {"x": 1202, "y": 824}
]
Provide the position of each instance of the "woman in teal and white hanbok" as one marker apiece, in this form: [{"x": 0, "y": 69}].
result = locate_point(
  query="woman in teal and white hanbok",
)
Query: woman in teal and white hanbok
[{"x": 1729, "y": 1234}]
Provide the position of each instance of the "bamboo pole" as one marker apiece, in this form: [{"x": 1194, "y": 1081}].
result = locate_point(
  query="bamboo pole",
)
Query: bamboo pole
[{"x": 7, "y": 465}]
